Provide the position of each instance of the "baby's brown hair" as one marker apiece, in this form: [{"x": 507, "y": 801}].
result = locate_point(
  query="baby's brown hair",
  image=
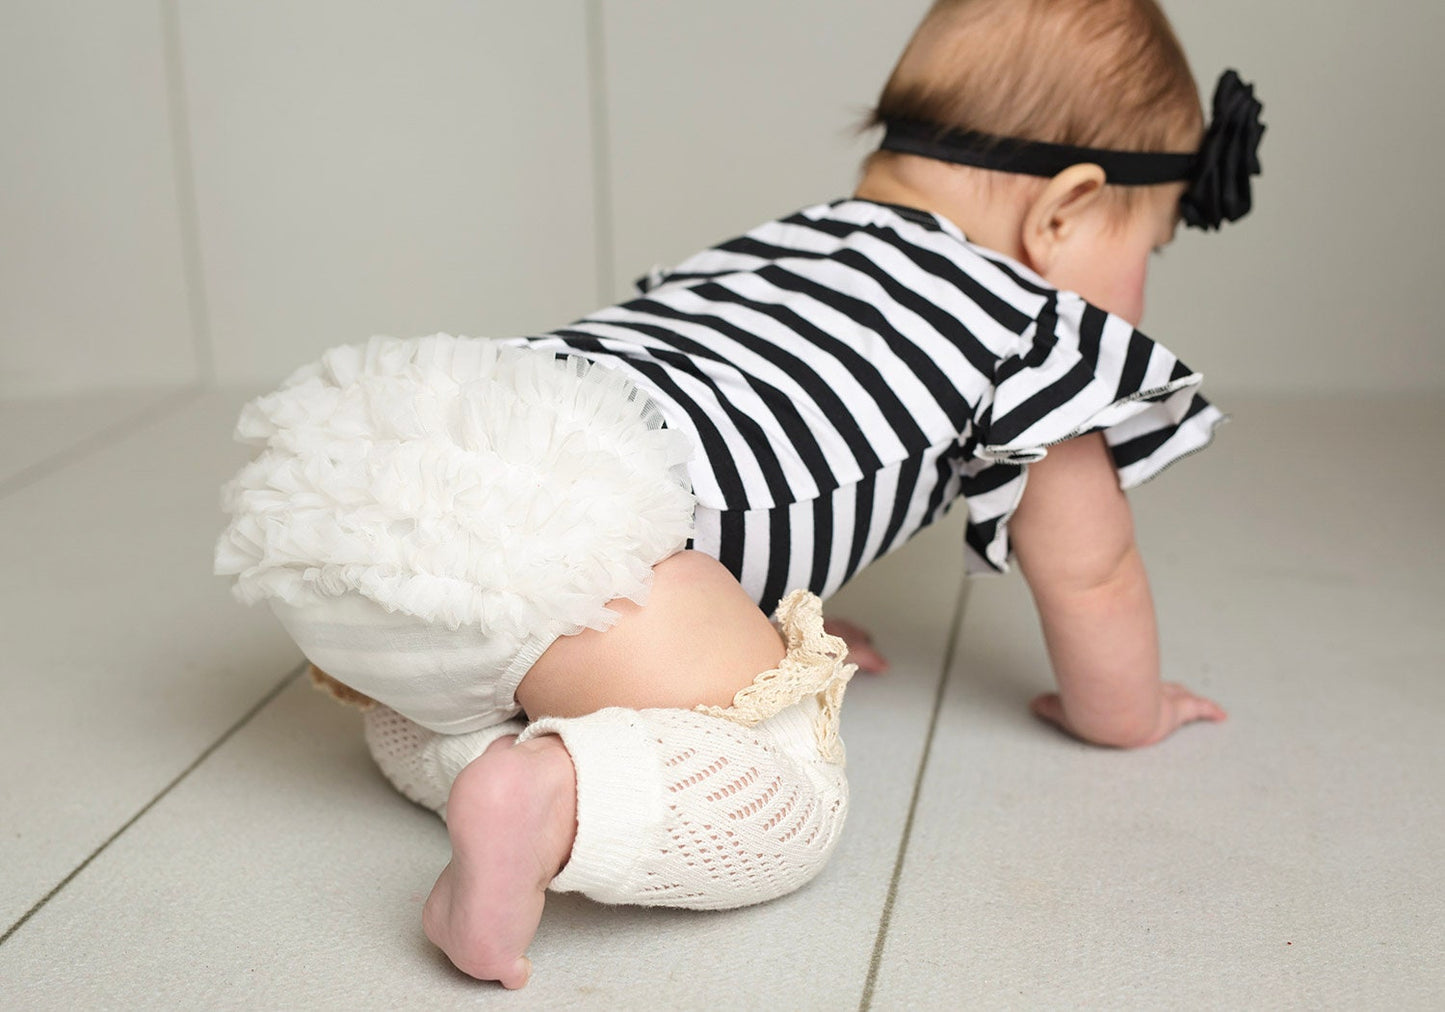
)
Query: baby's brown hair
[{"x": 1092, "y": 73}]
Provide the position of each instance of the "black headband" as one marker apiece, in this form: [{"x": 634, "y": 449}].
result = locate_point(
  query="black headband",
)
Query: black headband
[
  {"x": 1218, "y": 174},
  {"x": 1031, "y": 158}
]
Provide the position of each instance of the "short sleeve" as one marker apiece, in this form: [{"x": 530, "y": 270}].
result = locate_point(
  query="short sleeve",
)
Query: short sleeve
[{"x": 1077, "y": 370}]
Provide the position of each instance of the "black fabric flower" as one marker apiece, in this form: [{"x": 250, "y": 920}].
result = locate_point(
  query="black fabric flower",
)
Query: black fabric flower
[{"x": 1220, "y": 189}]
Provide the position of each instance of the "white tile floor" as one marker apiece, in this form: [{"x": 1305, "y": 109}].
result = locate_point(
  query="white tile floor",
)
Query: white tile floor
[{"x": 183, "y": 823}]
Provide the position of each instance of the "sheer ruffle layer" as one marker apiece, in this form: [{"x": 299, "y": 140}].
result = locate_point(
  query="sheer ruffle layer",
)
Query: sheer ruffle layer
[{"x": 458, "y": 481}]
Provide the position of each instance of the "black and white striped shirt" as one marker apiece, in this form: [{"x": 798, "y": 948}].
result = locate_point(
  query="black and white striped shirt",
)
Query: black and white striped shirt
[{"x": 848, "y": 372}]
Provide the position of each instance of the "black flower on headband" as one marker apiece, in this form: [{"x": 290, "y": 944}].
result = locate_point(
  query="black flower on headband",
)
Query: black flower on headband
[{"x": 1220, "y": 189}]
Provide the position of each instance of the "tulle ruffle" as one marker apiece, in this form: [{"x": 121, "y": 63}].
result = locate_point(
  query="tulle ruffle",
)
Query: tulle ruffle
[{"x": 459, "y": 481}]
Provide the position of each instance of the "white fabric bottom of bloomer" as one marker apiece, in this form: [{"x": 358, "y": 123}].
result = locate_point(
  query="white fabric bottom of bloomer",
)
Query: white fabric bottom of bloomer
[
  {"x": 427, "y": 515},
  {"x": 707, "y": 809},
  {"x": 427, "y": 670}
]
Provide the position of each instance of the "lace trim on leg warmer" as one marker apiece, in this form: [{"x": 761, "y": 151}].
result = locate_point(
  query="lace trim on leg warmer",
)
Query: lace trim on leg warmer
[{"x": 815, "y": 665}]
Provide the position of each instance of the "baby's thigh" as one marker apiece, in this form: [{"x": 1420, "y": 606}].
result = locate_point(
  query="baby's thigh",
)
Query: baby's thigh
[{"x": 699, "y": 640}]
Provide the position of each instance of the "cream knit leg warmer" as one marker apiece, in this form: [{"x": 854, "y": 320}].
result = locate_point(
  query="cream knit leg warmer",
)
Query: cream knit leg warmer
[
  {"x": 716, "y": 807},
  {"x": 710, "y": 808},
  {"x": 422, "y": 764}
]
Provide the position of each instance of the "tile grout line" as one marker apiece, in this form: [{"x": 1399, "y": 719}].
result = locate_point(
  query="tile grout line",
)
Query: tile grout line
[
  {"x": 225, "y": 737},
  {"x": 601, "y": 150},
  {"x": 875, "y": 961},
  {"x": 184, "y": 168},
  {"x": 109, "y": 436}
]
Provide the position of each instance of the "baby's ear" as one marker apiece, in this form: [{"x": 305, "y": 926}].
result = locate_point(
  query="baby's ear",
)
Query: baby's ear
[{"x": 1054, "y": 216}]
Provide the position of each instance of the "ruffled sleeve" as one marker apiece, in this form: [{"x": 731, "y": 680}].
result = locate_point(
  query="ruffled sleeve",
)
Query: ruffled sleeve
[{"x": 1077, "y": 370}]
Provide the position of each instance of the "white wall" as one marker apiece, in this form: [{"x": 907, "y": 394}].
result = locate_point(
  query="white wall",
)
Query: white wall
[
  {"x": 214, "y": 190},
  {"x": 92, "y": 277},
  {"x": 1331, "y": 283},
  {"x": 723, "y": 115},
  {"x": 390, "y": 168}
]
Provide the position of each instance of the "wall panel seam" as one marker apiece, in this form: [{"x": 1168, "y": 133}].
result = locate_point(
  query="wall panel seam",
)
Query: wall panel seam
[
  {"x": 183, "y": 166},
  {"x": 602, "y": 196}
]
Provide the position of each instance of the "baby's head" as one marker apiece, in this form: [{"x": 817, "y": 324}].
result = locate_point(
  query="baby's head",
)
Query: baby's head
[
  {"x": 1091, "y": 73},
  {"x": 1097, "y": 74}
]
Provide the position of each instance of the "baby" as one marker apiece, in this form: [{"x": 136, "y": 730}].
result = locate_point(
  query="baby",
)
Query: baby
[{"x": 545, "y": 563}]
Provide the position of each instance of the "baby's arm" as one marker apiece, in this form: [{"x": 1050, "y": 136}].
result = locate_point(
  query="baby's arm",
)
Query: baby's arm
[{"x": 1073, "y": 535}]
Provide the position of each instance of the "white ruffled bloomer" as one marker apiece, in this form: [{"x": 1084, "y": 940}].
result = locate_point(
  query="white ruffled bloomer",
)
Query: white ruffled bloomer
[{"x": 453, "y": 499}]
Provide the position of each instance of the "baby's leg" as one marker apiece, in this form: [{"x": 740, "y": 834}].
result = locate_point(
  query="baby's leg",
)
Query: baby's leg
[{"x": 614, "y": 704}]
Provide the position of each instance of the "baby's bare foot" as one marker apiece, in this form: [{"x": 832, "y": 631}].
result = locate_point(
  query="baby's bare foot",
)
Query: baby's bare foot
[{"x": 512, "y": 817}]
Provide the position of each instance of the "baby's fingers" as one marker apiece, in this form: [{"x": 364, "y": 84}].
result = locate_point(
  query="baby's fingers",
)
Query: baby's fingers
[
  {"x": 1188, "y": 707},
  {"x": 1050, "y": 707},
  {"x": 860, "y": 645}
]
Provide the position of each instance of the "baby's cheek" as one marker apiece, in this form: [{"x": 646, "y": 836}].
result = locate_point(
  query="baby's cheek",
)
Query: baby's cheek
[{"x": 1128, "y": 294}]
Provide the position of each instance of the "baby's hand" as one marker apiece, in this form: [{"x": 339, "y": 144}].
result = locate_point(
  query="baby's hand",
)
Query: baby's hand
[
  {"x": 1177, "y": 707},
  {"x": 860, "y": 645}
]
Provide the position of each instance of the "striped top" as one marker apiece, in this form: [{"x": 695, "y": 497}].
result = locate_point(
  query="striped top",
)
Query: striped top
[{"x": 850, "y": 371}]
